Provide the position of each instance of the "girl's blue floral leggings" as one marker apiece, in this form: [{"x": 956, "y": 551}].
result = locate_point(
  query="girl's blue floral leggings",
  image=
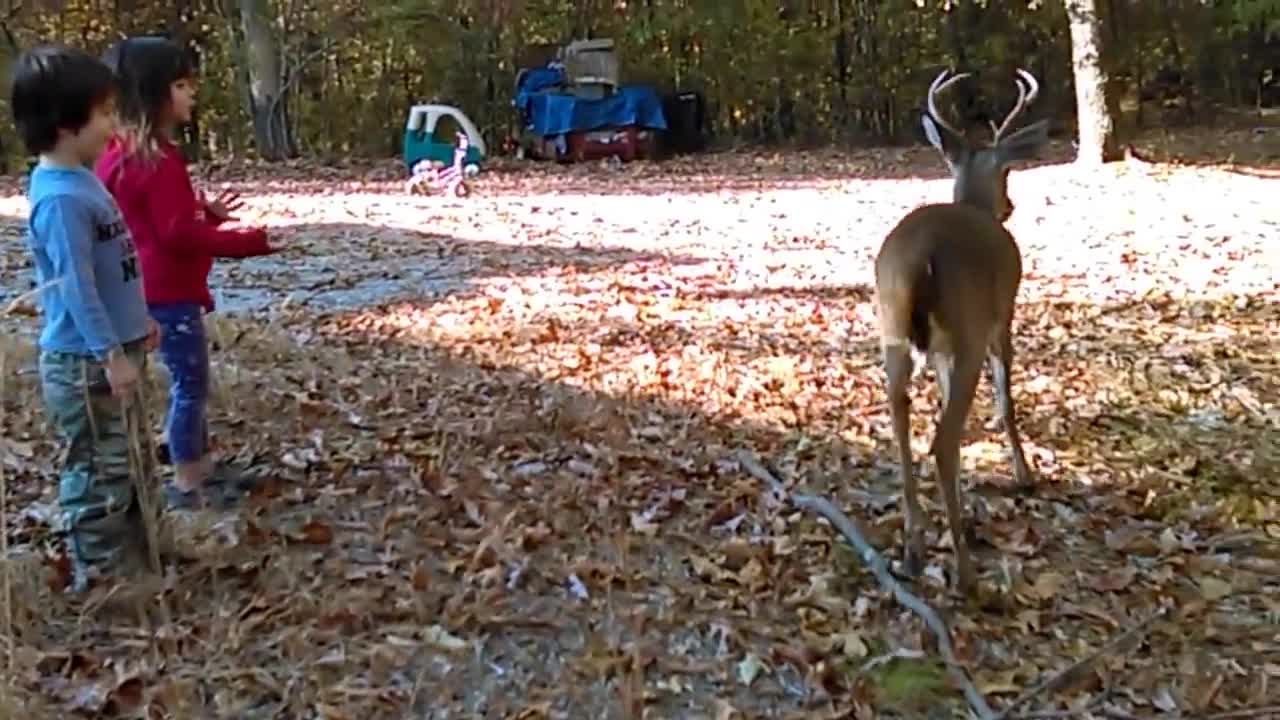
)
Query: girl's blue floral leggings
[{"x": 184, "y": 349}]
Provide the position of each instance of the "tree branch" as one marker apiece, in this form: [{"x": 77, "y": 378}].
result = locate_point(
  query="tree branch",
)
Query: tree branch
[
  {"x": 295, "y": 71},
  {"x": 14, "y": 10},
  {"x": 1056, "y": 680},
  {"x": 1245, "y": 713},
  {"x": 878, "y": 567},
  {"x": 351, "y": 27}
]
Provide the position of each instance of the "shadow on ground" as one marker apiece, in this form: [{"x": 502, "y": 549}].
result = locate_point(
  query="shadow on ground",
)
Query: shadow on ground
[
  {"x": 629, "y": 530},
  {"x": 580, "y": 529},
  {"x": 339, "y": 266},
  {"x": 333, "y": 266}
]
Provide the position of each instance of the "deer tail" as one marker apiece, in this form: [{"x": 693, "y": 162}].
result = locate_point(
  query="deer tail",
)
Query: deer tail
[
  {"x": 907, "y": 299},
  {"x": 924, "y": 297}
]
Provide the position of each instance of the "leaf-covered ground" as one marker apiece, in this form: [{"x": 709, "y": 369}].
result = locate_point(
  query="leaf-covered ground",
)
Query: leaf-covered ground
[{"x": 499, "y": 439}]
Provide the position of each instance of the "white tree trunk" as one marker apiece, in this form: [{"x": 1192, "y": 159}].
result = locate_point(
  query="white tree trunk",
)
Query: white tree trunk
[
  {"x": 272, "y": 134},
  {"x": 1097, "y": 128}
]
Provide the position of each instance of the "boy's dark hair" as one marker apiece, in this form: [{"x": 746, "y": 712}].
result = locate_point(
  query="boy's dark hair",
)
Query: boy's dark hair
[
  {"x": 146, "y": 67},
  {"x": 56, "y": 88}
]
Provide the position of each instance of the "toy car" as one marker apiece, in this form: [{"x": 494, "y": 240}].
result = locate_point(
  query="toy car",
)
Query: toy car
[{"x": 420, "y": 142}]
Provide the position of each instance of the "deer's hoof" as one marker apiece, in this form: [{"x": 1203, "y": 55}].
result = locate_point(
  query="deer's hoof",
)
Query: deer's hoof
[
  {"x": 964, "y": 582},
  {"x": 912, "y": 560},
  {"x": 1023, "y": 479}
]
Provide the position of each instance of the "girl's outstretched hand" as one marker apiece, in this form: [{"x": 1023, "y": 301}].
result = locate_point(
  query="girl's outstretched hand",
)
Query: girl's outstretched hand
[
  {"x": 275, "y": 243},
  {"x": 221, "y": 209}
]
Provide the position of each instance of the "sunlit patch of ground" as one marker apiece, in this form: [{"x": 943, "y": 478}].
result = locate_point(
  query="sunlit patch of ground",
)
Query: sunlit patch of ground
[{"x": 498, "y": 433}]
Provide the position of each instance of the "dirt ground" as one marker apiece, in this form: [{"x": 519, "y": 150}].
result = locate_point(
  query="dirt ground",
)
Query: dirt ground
[{"x": 499, "y": 441}]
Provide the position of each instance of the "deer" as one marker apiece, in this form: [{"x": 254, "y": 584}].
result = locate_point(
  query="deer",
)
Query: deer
[{"x": 946, "y": 280}]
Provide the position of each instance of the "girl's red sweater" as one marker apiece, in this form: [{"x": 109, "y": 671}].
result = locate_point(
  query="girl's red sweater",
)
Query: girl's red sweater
[{"x": 175, "y": 239}]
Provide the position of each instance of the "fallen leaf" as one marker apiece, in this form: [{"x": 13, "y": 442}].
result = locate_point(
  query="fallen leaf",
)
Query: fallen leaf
[
  {"x": 752, "y": 575},
  {"x": 1113, "y": 580},
  {"x": 749, "y": 669},
  {"x": 726, "y": 711},
  {"x": 539, "y": 711},
  {"x": 443, "y": 639},
  {"x": 315, "y": 532},
  {"x": 1213, "y": 589},
  {"x": 1132, "y": 538},
  {"x": 88, "y": 698},
  {"x": 577, "y": 588},
  {"x": 672, "y": 685},
  {"x": 1164, "y": 700},
  {"x": 127, "y": 696},
  {"x": 643, "y": 526},
  {"x": 999, "y": 683},
  {"x": 421, "y": 578},
  {"x": 1047, "y": 585},
  {"x": 851, "y": 645}
]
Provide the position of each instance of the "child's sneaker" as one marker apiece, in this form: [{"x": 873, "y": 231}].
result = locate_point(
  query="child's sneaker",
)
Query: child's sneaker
[
  {"x": 210, "y": 496},
  {"x": 225, "y": 474},
  {"x": 127, "y": 562}
]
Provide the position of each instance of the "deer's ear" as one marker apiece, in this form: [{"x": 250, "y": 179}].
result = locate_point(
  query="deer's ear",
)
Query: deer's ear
[
  {"x": 1023, "y": 144},
  {"x": 943, "y": 140}
]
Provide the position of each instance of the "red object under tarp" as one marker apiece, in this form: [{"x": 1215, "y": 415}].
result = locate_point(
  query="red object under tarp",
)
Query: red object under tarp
[{"x": 627, "y": 144}]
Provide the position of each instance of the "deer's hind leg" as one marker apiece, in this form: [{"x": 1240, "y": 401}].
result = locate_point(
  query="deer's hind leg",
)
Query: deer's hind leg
[
  {"x": 1000, "y": 360},
  {"x": 961, "y": 383},
  {"x": 898, "y": 365}
]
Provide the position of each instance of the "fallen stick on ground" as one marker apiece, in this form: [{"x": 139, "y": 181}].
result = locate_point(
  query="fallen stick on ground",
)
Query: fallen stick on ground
[
  {"x": 6, "y": 581},
  {"x": 1057, "y": 679},
  {"x": 878, "y": 567},
  {"x": 1245, "y": 713}
]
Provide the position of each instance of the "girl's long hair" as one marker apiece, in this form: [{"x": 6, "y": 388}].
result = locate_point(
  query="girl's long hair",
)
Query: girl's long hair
[{"x": 146, "y": 67}]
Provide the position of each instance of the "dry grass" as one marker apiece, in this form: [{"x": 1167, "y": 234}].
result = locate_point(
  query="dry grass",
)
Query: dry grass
[{"x": 22, "y": 590}]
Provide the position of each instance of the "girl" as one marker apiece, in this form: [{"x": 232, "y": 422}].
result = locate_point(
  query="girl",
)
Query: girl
[{"x": 177, "y": 235}]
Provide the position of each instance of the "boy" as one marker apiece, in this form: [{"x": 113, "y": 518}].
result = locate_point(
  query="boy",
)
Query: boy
[{"x": 96, "y": 329}]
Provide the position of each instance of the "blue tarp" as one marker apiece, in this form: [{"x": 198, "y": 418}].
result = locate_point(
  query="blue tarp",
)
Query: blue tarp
[
  {"x": 551, "y": 114},
  {"x": 538, "y": 79}
]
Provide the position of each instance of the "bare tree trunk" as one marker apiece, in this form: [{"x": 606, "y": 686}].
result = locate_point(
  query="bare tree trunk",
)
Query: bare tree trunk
[
  {"x": 785, "y": 119},
  {"x": 176, "y": 26},
  {"x": 1097, "y": 128},
  {"x": 840, "y": 70},
  {"x": 272, "y": 134}
]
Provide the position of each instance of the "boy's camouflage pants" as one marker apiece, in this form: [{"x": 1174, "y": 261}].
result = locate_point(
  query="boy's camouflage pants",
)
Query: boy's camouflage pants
[{"x": 101, "y": 513}]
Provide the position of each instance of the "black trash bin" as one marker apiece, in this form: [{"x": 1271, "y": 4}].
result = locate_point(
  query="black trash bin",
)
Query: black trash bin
[{"x": 686, "y": 122}]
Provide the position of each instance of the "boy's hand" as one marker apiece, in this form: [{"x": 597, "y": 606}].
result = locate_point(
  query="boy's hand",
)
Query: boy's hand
[
  {"x": 122, "y": 375},
  {"x": 153, "y": 336},
  {"x": 221, "y": 209}
]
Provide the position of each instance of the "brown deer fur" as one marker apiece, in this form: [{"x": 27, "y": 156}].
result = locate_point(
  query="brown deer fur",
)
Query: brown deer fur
[{"x": 947, "y": 277}]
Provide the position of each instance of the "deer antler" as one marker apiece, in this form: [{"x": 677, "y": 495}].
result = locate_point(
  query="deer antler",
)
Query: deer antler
[
  {"x": 1026, "y": 94},
  {"x": 939, "y": 84}
]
